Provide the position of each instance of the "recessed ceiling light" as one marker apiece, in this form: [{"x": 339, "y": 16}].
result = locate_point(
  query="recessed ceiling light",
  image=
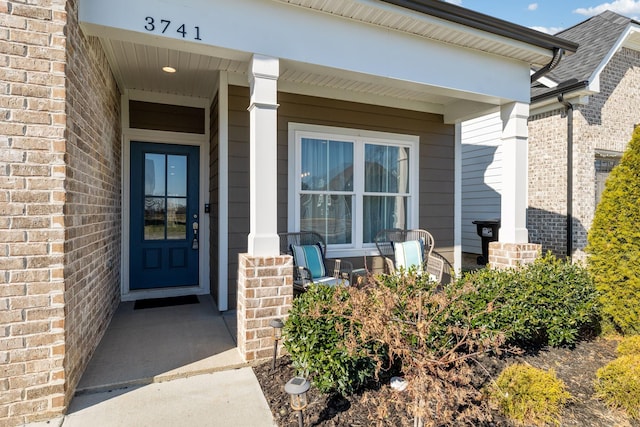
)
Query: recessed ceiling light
[{"x": 168, "y": 69}]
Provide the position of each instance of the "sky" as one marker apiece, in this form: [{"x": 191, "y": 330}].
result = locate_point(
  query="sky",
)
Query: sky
[{"x": 549, "y": 16}]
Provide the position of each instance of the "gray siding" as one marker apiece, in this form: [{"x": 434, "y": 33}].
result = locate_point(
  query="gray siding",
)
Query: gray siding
[
  {"x": 436, "y": 153},
  {"x": 436, "y": 161}
]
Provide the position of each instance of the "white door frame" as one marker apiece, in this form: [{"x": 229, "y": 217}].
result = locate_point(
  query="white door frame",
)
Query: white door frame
[{"x": 163, "y": 137}]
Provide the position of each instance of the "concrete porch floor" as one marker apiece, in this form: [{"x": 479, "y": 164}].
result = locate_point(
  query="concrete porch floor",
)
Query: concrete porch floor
[
  {"x": 168, "y": 366},
  {"x": 159, "y": 344}
]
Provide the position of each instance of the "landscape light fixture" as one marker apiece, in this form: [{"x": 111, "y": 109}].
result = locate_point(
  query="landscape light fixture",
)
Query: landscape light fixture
[
  {"x": 277, "y": 326},
  {"x": 297, "y": 388}
]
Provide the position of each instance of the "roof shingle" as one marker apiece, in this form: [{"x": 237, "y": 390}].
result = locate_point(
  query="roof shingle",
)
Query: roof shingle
[{"x": 596, "y": 37}]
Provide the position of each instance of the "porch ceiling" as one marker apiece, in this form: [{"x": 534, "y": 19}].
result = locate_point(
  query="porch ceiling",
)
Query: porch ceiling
[{"x": 139, "y": 67}]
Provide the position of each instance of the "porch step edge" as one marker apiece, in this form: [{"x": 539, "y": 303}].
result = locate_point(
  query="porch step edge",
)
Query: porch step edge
[{"x": 157, "y": 379}]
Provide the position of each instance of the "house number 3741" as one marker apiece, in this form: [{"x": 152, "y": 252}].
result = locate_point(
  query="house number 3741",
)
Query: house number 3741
[{"x": 165, "y": 26}]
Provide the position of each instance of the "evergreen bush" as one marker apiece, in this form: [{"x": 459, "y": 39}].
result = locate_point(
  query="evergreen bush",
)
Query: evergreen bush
[
  {"x": 315, "y": 338},
  {"x": 629, "y": 345},
  {"x": 614, "y": 243},
  {"x": 550, "y": 301},
  {"x": 342, "y": 337},
  {"x": 618, "y": 384},
  {"x": 527, "y": 394}
]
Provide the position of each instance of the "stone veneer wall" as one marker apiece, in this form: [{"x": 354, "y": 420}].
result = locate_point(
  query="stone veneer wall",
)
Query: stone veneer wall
[
  {"x": 59, "y": 206},
  {"x": 265, "y": 292},
  {"x": 605, "y": 123}
]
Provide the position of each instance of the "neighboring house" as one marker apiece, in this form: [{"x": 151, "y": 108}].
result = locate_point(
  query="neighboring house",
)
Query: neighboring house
[
  {"x": 121, "y": 181},
  {"x": 601, "y": 85},
  {"x": 481, "y": 176}
]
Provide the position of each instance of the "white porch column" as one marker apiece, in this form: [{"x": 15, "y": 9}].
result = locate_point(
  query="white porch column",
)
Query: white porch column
[
  {"x": 513, "y": 227},
  {"x": 263, "y": 81}
]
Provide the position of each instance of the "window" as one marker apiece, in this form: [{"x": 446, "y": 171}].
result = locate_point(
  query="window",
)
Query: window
[
  {"x": 604, "y": 163},
  {"x": 349, "y": 184}
]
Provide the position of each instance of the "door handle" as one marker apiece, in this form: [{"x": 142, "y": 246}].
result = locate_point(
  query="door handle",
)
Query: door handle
[{"x": 194, "y": 243}]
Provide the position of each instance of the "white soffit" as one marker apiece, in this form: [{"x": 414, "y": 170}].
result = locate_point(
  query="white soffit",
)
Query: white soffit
[
  {"x": 139, "y": 67},
  {"x": 632, "y": 40},
  {"x": 408, "y": 21}
]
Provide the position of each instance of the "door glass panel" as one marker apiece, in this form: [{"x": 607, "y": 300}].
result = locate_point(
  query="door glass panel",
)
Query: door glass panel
[
  {"x": 165, "y": 181},
  {"x": 176, "y": 218},
  {"x": 154, "y": 174},
  {"x": 177, "y": 176},
  {"x": 154, "y": 218}
]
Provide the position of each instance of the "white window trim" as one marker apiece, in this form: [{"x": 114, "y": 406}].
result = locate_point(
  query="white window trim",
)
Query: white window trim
[{"x": 296, "y": 130}]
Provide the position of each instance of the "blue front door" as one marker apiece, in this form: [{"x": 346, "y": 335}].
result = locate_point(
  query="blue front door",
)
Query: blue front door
[{"x": 164, "y": 216}]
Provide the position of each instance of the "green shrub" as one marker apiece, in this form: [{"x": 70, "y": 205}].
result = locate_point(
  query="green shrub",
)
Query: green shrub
[
  {"x": 550, "y": 301},
  {"x": 524, "y": 393},
  {"x": 629, "y": 345},
  {"x": 315, "y": 338},
  {"x": 614, "y": 243},
  {"x": 425, "y": 329},
  {"x": 396, "y": 324},
  {"x": 618, "y": 384}
]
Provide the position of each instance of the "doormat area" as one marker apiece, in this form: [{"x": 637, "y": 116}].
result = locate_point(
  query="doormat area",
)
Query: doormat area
[{"x": 165, "y": 302}]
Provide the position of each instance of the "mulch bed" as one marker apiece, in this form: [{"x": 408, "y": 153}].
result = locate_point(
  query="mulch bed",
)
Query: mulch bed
[{"x": 576, "y": 367}]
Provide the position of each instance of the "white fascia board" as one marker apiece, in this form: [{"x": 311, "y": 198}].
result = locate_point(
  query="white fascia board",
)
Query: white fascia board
[
  {"x": 231, "y": 28},
  {"x": 550, "y": 104}
]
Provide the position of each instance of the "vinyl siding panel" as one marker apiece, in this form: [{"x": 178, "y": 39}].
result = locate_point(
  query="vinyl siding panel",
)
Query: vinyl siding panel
[{"x": 481, "y": 176}]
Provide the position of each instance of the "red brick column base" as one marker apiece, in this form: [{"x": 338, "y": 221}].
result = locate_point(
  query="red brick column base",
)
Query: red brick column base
[
  {"x": 265, "y": 292},
  {"x": 503, "y": 255}
]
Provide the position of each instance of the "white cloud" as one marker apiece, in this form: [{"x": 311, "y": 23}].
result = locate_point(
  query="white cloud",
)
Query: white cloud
[
  {"x": 533, "y": 6},
  {"x": 624, "y": 7},
  {"x": 548, "y": 30}
]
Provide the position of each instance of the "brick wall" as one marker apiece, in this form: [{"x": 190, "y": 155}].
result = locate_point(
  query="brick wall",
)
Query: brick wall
[
  {"x": 546, "y": 213},
  {"x": 56, "y": 294},
  {"x": 605, "y": 123},
  {"x": 32, "y": 196},
  {"x": 608, "y": 123},
  {"x": 509, "y": 255},
  {"x": 265, "y": 293},
  {"x": 93, "y": 199}
]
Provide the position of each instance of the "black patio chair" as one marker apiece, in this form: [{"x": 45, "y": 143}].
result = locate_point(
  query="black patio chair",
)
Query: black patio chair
[{"x": 309, "y": 249}]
